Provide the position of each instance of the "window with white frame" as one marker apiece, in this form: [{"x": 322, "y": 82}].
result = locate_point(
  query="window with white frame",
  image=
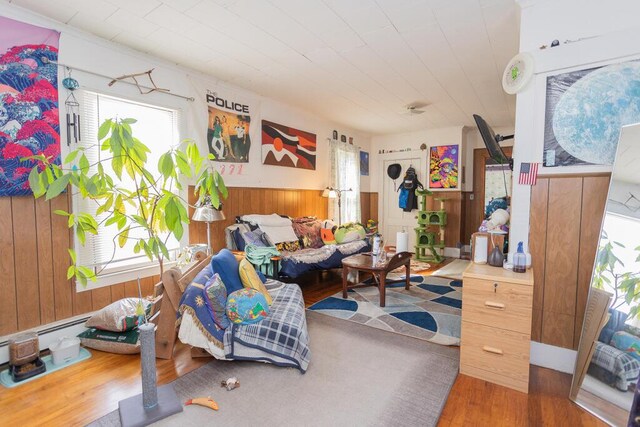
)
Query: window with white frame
[
  {"x": 157, "y": 128},
  {"x": 345, "y": 177}
]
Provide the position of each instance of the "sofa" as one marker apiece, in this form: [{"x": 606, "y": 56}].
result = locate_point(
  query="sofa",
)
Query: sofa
[
  {"x": 616, "y": 358},
  {"x": 304, "y": 244},
  {"x": 281, "y": 338}
]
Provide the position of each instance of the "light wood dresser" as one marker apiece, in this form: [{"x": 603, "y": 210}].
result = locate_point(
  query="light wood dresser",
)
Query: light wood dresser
[{"x": 496, "y": 325}]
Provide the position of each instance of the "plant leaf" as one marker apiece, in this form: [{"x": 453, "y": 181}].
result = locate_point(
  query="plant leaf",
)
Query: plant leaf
[
  {"x": 57, "y": 186},
  {"x": 104, "y": 129}
]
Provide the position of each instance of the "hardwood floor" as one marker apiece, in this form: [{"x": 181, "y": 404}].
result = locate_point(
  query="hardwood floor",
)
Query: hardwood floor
[
  {"x": 90, "y": 389},
  {"x": 474, "y": 402}
]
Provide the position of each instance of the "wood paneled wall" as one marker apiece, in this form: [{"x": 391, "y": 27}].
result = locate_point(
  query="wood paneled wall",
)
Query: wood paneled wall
[
  {"x": 264, "y": 201},
  {"x": 368, "y": 206},
  {"x": 34, "y": 289},
  {"x": 566, "y": 216}
]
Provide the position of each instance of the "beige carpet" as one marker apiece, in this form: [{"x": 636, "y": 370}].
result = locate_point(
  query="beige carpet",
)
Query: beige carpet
[
  {"x": 358, "y": 376},
  {"x": 453, "y": 270}
]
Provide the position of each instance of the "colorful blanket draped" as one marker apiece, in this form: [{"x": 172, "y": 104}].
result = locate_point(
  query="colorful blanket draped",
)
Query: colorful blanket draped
[{"x": 193, "y": 302}]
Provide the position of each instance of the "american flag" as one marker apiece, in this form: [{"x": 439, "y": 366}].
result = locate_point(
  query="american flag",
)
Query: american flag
[{"x": 528, "y": 173}]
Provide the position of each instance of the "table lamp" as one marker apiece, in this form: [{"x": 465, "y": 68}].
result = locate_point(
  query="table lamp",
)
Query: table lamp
[{"x": 207, "y": 213}]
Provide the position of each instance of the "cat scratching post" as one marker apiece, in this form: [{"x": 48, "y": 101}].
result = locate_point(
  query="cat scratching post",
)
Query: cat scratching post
[
  {"x": 155, "y": 403},
  {"x": 429, "y": 242}
]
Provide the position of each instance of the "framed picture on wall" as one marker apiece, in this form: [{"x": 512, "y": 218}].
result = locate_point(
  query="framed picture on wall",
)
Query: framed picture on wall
[
  {"x": 585, "y": 111},
  {"x": 364, "y": 163},
  {"x": 443, "y": 167}
]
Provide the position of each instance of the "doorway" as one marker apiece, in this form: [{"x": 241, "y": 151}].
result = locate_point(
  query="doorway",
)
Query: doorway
[{"x": 395, "y": 219}]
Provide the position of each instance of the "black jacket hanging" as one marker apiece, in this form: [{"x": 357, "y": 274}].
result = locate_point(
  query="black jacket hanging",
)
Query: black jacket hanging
[{"x": 408, "y": 200}]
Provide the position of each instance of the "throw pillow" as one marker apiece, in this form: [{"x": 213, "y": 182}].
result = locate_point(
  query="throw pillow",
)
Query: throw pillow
[
  {"x": 327, "y": 236},
  {"x": 226, "y": 265},
  {"x": 308, "y": 230},
  {"x": 626, "y": 342},
  {"x": 251, "y": 280},
  {"x": 288, "y": 246},
  {"x": 247, "y": 306},
  {"x": 349, "y": 233},
  {"x": 238, "y": 238},
  {"x": 118, "y": 316},
  {"x": 257, "y": 238},
  {"x": 216, "y": 300}
]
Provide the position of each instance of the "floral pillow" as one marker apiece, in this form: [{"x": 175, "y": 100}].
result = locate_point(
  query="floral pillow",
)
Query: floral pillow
[
  {"x": 308, "y": 231},
  {"x": 288, "y": 246}
]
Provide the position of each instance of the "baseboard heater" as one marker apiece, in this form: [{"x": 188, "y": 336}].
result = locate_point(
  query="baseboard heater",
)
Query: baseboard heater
[{"x": 48, "y": 334}]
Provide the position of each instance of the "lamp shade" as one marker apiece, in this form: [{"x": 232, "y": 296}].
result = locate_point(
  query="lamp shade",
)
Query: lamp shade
[
  {"x": 330, "y": 193},
  {"x": 207, "y": 213}
]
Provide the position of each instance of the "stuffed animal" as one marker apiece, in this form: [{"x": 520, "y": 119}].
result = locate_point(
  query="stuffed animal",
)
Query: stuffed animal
[
  {"x": 231, "y": 383},
  {"x": 497, "y": 221},
  {"x": 207, "y": 402}
]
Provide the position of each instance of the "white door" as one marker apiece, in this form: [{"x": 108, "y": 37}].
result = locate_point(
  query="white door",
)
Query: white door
[{"x": 394, "y": 218}]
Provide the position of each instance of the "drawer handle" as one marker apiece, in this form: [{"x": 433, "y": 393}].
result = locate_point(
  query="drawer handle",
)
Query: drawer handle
[
  {"x": 492, "y": 350},
  {"x": 496, "y": 305}
]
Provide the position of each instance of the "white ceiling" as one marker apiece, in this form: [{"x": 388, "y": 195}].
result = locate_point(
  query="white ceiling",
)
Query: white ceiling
[{"x": 355, "y": 62}]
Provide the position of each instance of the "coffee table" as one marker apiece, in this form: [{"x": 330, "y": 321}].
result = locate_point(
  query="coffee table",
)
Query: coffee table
[{"x": 366, "y": 263}]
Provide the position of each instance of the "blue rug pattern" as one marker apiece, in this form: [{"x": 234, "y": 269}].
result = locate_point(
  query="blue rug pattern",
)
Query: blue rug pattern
[{"x": 429, "y": 310}]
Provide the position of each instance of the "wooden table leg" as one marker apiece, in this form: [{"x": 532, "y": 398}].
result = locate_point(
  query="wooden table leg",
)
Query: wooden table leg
[
  {"x": 383, "y": 280},
  {"x": 408, "y": 278},
  {"x": 345, "y": 280}
]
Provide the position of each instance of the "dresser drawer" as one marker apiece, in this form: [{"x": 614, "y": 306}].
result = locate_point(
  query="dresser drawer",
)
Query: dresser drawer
[
  {"x": 496, "y": 303},
  {"x": 495, "y": 351}
]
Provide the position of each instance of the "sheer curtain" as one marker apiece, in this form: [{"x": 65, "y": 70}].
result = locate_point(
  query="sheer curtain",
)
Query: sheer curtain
[{"x": 345, "y": 175}]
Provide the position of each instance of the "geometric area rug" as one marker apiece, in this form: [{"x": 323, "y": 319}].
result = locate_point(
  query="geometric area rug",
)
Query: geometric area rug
[
  {"x": 430, "y": 310},
  {"x": 357, "y": 376}
]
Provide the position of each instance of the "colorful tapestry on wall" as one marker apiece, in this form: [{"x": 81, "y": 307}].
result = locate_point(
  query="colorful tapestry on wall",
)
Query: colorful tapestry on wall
[
  {"x": 585, "y": 111},
  {"x": 228, "y": 135},
  {"x": 29, "y": 122},
  {"x": 364, "y": 163},
  {"x": 286, "y": 146},
  {"x": 443, "y": 167}
]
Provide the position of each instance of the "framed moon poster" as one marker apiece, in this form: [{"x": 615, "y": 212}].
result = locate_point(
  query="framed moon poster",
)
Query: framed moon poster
[{"x": 585, "y": 111}]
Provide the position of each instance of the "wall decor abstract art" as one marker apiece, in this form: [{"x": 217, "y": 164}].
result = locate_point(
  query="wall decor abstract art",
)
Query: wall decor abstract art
[
  {"x": 29, "y": 119},
  {"x": 443, "y": 167},
  {"x": 585, "y": 111},
  {"x": 286, "y": 146}
]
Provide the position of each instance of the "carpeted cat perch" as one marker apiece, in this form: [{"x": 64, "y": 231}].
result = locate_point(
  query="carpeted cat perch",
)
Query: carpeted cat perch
[{"x": 155, "y": 403}]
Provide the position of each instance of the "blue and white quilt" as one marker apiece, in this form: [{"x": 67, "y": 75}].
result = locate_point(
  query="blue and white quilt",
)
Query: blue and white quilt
[{"x": 281, "y": 338}]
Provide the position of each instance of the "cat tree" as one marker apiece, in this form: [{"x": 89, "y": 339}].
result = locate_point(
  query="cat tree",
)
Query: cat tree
[{"x": 428, "y": 248}]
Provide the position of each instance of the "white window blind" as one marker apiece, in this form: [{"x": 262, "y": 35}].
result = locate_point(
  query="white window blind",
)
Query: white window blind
[{"x": 157, "y": 128}]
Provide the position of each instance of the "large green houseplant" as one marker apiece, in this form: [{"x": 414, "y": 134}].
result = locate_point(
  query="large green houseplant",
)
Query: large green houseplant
[
  {"x": 609, "y": 275},
  {"x": 151, "y": 202}
]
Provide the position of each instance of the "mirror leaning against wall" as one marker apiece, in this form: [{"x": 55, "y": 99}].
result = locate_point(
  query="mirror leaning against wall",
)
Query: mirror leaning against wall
[{"x": 608, "y": 364}]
